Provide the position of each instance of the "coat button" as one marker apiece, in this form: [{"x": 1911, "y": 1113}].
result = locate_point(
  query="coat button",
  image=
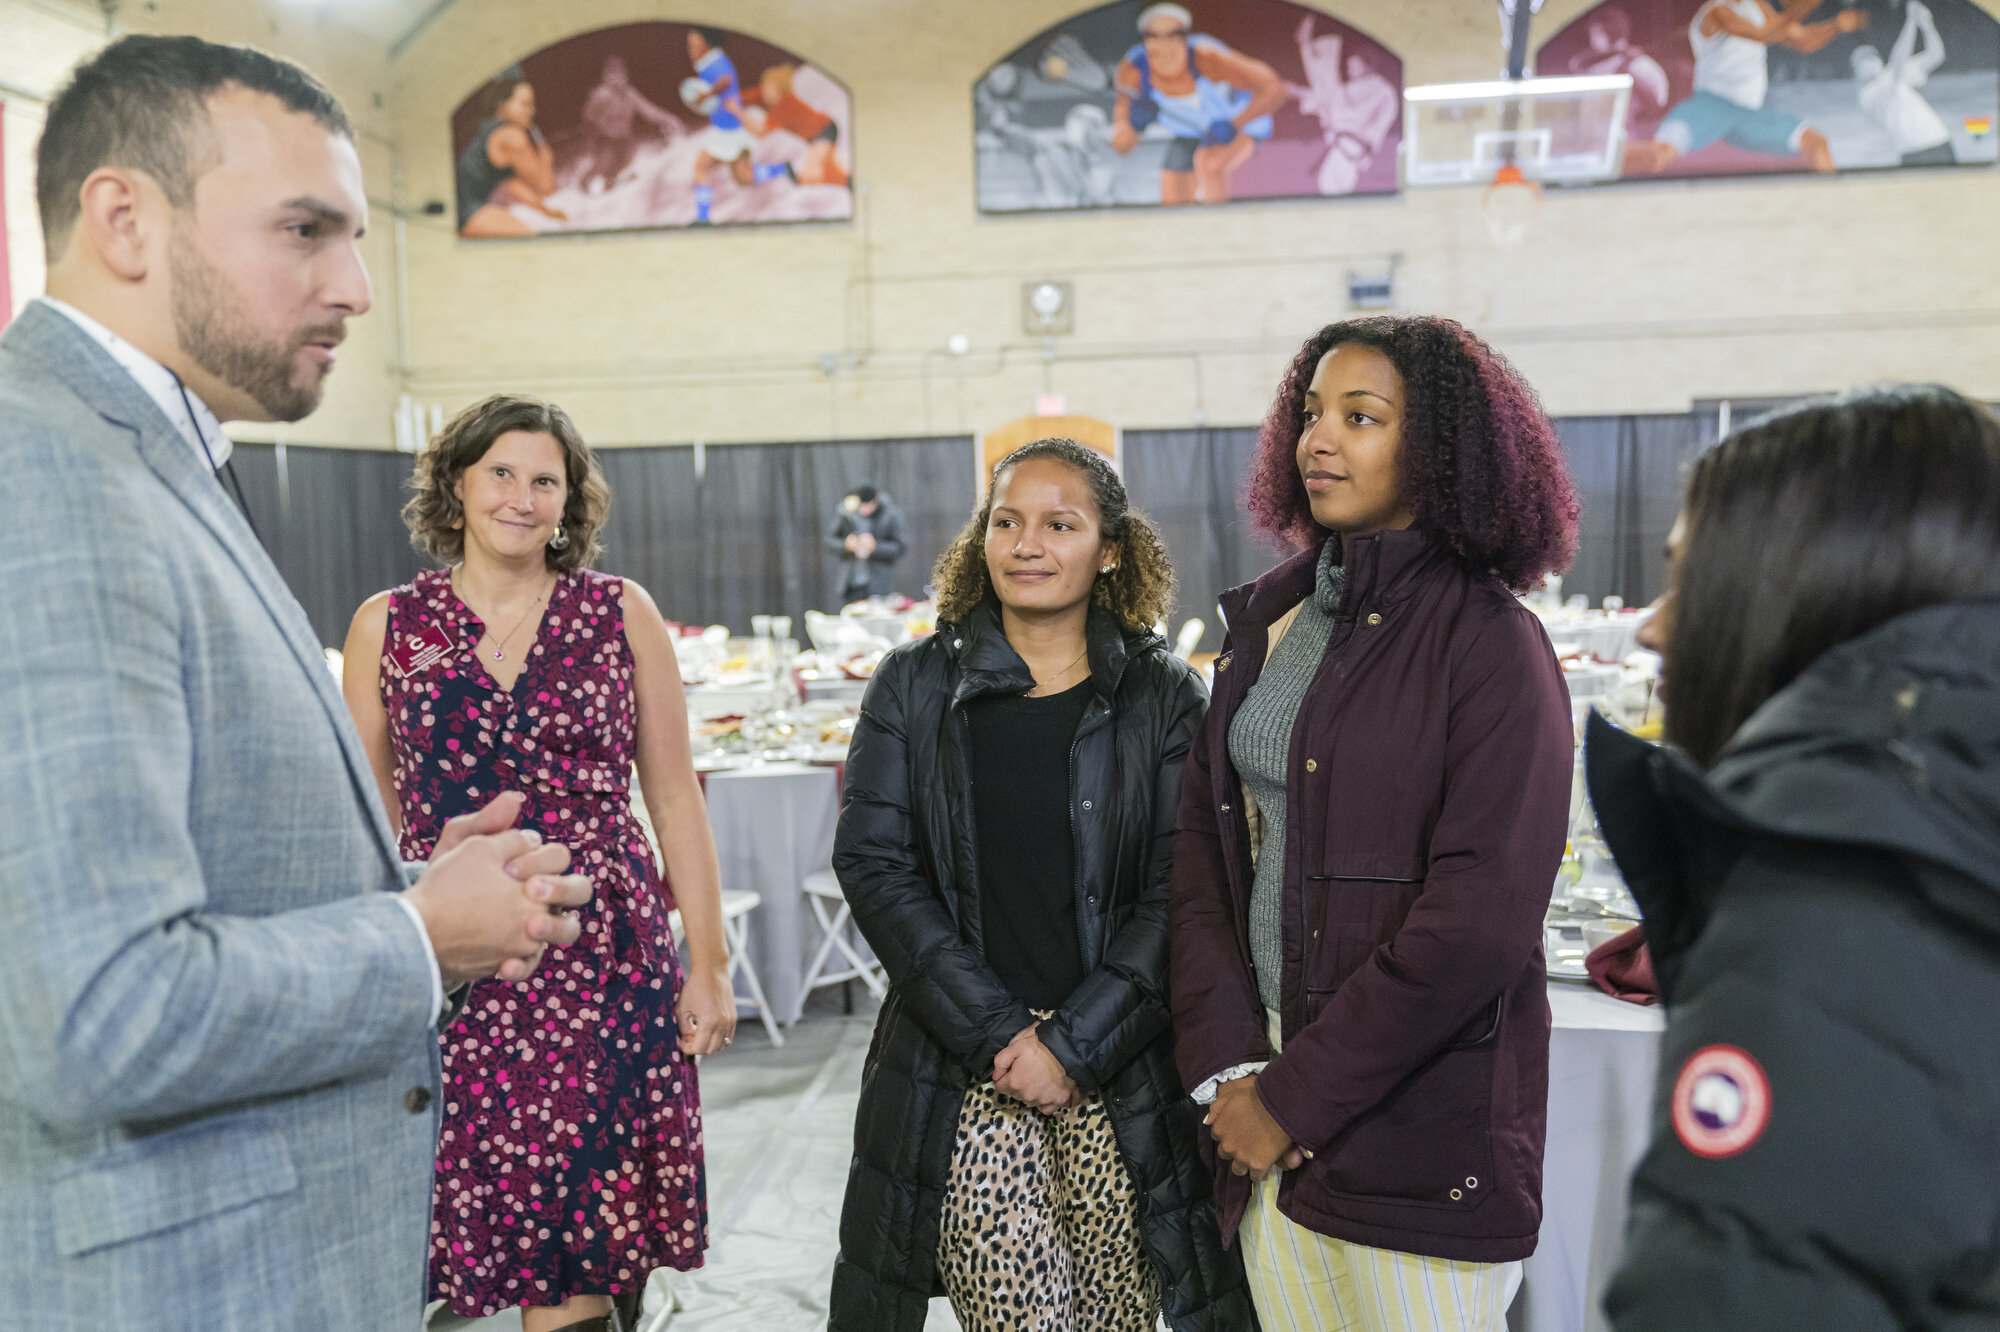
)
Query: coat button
[
  {"x": 1471, "y": 1183},
  {"x": 1222, "y": 663},
  {"x": 1091, "y": 900},
  {"x": 1312, "y": 765},
  {"x": 1374, "y": 618},
  {"x": 958, "y": 642},
  {"x": 1456, "y": 1195},
  {"x": 1086, "y": 804},
  {"x": 417, "y": 1100},
  {"x": 1225, "y": 809}
]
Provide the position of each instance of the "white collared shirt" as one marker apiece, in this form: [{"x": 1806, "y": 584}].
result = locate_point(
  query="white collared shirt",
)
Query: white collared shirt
[{"x": 202, "y": 430}]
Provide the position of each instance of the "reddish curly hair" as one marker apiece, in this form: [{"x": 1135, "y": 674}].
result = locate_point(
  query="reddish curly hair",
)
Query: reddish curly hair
[{"x": 1480, "y": 463}]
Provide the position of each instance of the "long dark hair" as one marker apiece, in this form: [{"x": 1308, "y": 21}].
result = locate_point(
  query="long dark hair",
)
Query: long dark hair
[{"x": 1813, "y": 527}]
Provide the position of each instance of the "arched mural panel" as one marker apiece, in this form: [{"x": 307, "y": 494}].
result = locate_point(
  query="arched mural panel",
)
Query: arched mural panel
[
  {"x": 1145, "y": 105},
  {"x": 1733, "y": 87},
  {"x": 652, "y": 125}
]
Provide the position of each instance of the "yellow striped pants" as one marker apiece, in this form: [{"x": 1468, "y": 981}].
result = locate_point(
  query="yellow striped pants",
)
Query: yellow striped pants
[{"x": 1300, "y": 1279}]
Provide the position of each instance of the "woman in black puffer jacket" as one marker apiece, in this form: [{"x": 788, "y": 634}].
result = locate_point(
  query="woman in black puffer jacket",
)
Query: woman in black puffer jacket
[
  {"x": 1817, "y": 853},
  {"x": 1023, "y": 1144}
]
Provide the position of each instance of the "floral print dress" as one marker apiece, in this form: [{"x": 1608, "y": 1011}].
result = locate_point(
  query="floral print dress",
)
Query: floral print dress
[{"x": 570, "y": 1159}]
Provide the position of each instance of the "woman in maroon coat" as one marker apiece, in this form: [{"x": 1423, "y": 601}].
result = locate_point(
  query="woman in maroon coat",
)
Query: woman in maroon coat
[{"x": 1371, "y": 822}]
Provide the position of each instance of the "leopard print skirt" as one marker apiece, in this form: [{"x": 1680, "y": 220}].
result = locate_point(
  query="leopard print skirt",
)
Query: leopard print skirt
[{"x": 1040, "y": 1231}]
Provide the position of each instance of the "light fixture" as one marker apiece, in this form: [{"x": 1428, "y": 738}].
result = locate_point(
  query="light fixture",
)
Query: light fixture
[{"x": 1047, "y": 307}]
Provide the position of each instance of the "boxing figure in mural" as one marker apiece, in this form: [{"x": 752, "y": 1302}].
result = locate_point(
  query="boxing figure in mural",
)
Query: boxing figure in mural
[
  {"x": 1213, "y": 104},
  {"x": 1612, "y": 51},
  {"x": 1356, "y": 107},
  {"x": 1887, "y": 91},
  {"x": 1732, "y": 74}
]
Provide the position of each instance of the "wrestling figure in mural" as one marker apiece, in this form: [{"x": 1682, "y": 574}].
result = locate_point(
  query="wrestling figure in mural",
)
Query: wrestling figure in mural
[{"x": 1356, "y": 107}]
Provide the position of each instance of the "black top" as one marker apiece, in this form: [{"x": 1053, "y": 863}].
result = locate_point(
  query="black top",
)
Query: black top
[
  {"x": 477, "y": 176},
  {"x": 1027, "y": 850}
]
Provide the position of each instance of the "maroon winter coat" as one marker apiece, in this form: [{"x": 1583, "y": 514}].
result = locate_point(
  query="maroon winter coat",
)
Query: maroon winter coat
[{"x": 1427, "y": 805}]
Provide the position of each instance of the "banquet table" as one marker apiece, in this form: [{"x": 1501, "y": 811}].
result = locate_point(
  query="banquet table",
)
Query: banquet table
[
  {"x": 1603, "y": 1053},
  {"x": 773, "y": 825}
]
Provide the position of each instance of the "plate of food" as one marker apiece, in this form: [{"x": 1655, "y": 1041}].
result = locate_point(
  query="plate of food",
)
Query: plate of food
[{"x": 1565, "y": 950}]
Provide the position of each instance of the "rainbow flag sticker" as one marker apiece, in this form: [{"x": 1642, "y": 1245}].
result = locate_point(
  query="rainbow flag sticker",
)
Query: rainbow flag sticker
[{"x": 1979, "y": 126}]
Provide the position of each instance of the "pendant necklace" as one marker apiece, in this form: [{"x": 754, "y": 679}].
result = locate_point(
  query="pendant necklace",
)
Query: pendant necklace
[{"x": 500, "y": 648}]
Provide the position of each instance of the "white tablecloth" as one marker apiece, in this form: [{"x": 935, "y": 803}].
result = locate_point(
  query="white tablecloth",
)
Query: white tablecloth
[
  {"x": 773, "y": 825},
  {"x": 1603, "y": 1054}
]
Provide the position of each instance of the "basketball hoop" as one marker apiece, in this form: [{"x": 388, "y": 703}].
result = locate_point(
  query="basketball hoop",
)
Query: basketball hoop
[{"x": 1511, "y": 205}]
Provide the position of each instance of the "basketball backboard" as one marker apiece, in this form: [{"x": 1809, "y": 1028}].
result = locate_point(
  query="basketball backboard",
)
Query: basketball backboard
[{"x": 1567, "y": 130}]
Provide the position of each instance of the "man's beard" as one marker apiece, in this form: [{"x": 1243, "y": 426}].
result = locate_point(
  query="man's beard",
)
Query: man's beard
[{"x": 212, "y": 331}]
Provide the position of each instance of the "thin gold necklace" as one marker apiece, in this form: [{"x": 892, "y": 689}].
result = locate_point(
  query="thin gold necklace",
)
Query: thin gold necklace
[{"x": 1061, "y": 673}]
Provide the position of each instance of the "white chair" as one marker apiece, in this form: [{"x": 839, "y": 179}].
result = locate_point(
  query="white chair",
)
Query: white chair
[
  {"x": 736, "y": 909},
  {"x": 822, "y": 890}
]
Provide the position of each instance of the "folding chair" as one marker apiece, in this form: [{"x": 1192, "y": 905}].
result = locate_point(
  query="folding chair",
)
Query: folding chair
[
  {"x": 736, "y": 909},
  {"x": 822, "y": 890}
]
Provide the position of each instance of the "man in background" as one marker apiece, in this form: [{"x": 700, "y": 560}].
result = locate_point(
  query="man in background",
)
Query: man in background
[
  {"x": 868, "y": 533},
  {"x": 219, "y": 985}
]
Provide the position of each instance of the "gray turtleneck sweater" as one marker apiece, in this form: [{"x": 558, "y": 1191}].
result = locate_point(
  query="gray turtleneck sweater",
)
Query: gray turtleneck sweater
[{"x": 1260, "y": 745}]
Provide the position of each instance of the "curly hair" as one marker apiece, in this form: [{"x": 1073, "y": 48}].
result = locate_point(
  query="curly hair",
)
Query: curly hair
[
  {"x": 1479, "y": 463},
  {"x": 1139, "y": 591},
  {"x": 435, "y": 516}
]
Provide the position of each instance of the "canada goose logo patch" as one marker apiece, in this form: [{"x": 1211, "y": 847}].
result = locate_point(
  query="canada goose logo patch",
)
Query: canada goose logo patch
[{"x": 1722, "y": 1102}]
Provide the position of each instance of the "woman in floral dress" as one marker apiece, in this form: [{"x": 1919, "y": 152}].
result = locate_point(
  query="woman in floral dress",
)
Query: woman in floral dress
[{"x": 570, "y": 1159}]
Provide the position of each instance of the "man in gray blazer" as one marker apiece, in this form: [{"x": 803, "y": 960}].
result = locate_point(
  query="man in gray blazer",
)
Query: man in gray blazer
[{"x": 219, "y": 986}]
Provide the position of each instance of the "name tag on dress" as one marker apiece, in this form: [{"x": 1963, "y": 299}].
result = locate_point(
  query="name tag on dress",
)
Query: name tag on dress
[{"x": 414, "y": 654}]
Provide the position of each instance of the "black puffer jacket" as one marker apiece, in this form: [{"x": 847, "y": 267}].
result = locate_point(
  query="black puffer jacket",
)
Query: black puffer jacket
[
  {"x": 907, "y": 861},
  {"x": 1823, "y": 910}
]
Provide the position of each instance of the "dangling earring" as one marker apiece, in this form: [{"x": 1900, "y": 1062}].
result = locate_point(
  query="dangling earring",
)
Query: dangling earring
[{"x": 559, "y": 542}]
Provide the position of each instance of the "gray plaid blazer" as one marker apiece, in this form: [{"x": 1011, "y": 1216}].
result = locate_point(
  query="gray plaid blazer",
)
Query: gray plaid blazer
[{"x": 218, "y": 1065}]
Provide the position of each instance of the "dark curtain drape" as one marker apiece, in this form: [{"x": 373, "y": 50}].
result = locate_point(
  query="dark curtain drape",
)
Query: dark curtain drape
[
  {"x": 714, "y": 545},
  {"x": 1629, "y": 473},
  {"x": 654, "y": 536},
  {"x": 332, "y": 522},
  {"x": 765, "y": 510},
  {"x": 744, "y": 533},
  {"x": 1189, "y": 483}
]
